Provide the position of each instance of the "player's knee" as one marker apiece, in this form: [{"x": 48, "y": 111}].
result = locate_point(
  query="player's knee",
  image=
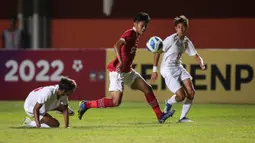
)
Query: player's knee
[
  {"x": 116, "y": 103},
  {"x": 190, "y": 97},
  {"x": 179, "y": 98},
  {"x": 56, "y": 124},
  {"x": 191, "y": 93}
]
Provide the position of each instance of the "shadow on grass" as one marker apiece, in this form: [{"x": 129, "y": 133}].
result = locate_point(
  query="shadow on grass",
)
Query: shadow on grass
[
  {"x": 21, "y": 127},
  {"x": 107, "y": 126},
  {"x": 119, "y": 125}
]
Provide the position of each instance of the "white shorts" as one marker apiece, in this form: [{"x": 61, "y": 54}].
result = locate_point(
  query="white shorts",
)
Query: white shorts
[
  {"x": 118, "y": 80},
  {"x": 174, "y": 76},
  {"x": 30, "y": 113}
]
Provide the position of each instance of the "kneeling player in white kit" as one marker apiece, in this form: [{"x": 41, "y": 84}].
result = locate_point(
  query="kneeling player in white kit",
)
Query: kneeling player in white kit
[
  {"x": 177, "y": 79},
  {"x": 49, "y": 98}
]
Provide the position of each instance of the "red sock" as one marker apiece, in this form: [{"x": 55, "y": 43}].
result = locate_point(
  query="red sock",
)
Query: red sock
[
  {"x": 151, "y": 99},
  {"x": 100, "y": 103}
]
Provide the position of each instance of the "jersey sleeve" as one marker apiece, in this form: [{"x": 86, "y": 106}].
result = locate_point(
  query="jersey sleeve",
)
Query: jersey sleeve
[
  {"x": 191, "y": 51},
  {"x": 167, "y": 43},
  {"x": 44, "y": 96},
  {"x": 126, "y": 36}
]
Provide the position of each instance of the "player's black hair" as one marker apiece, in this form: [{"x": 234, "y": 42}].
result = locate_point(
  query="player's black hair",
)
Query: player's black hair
[
  {"x": 181, "y": 19},
  {"x": 142, "y": 16},
  {"x": 67, "y": 84}
]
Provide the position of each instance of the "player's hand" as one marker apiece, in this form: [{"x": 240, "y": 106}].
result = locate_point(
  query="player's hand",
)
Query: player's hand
[
  {"x": 154, "y": 76},
  {"x": 119, "y": 67},
  {"x": 202, "y": 66}
]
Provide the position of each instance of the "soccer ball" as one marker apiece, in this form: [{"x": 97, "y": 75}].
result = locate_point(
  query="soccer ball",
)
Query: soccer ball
[{"x": 154, "y": 44}]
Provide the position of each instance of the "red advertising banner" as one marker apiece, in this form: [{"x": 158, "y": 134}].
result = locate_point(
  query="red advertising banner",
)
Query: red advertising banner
[{"x": 22, "y": 71}]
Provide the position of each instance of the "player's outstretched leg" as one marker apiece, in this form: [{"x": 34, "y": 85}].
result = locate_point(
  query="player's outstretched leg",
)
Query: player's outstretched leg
[
  {"x": 105, "y": 102},
  {"x": 152, "y": 100},
  {"x": 165, "y": 116},
  {"x": 101, "y": 103},
  {"x": 82, "y": 109},
  {"x": 142, "y": 85}
]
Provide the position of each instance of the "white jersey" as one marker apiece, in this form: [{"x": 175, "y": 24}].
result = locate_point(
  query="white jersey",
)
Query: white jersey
[
  {"x": 47, "y": 96},
  {"x": 173, "y": 48}
]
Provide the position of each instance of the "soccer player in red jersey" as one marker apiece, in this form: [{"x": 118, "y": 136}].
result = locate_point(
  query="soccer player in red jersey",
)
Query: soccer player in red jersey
[{"x": 120, "y": 72}]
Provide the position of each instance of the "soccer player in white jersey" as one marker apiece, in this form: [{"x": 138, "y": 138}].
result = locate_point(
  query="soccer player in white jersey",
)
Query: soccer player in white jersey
[
  {"x": 49, "y": 98},
  {"x": 177, "y": 79}
]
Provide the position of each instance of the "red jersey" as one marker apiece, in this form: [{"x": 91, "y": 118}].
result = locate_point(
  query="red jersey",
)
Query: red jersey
[{"x": 128, "y": 51}]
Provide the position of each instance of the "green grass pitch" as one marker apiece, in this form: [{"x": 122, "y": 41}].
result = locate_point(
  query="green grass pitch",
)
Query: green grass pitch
[{"x": 135, "y": 123}]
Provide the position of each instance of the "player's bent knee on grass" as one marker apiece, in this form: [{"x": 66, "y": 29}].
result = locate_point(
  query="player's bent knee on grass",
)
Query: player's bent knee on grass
[{"x": 50, "y": 121}]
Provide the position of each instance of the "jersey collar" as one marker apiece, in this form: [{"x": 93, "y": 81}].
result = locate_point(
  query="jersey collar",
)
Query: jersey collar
[{"x": 177, "y": 38}]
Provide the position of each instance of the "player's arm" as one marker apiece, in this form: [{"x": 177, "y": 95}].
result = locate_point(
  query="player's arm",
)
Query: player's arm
[
  {"x": 44, "y": 97},
  {"x": 36, "y": 114},
  {"x": 166, "y": 45},
  {"x": 117, "y": 49},
  {"x": 200, "y": 61},
  {"x": 66, "y": 116},
  {"x": 154, "y": 74},
  {"x": 64, "y": 109},
  {"x": 191, "y": 51}
]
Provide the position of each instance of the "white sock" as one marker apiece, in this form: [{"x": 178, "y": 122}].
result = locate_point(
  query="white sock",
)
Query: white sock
[
  {"x": 172, "y": 100},
  {"x": 33, "y": 124},
  {"x": 43, "y": 125},
  {"x": 186, "y": 107}
]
